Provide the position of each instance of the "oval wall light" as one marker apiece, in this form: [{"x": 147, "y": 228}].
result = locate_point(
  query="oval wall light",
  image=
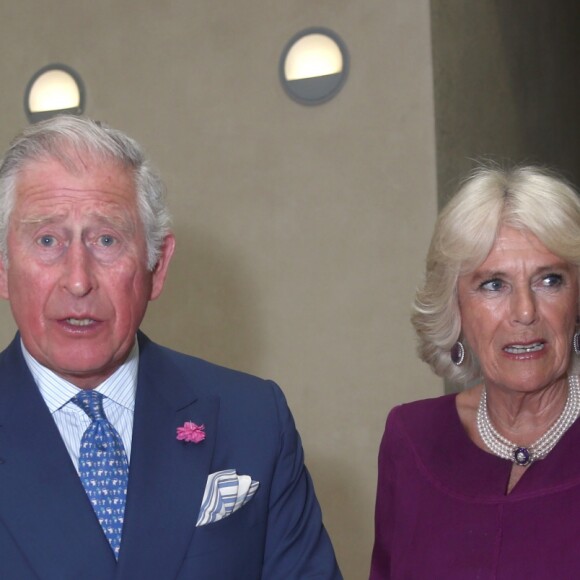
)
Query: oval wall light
[
  {"x": 314, "y": 66},
  {"x": 55, "y": 89}
]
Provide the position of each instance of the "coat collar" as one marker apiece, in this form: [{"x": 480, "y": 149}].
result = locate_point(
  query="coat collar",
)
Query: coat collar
[{"x": 167, "y": 477}]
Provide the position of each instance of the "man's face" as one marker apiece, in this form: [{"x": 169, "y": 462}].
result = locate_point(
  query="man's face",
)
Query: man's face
[{"x": 77, "y": 277}]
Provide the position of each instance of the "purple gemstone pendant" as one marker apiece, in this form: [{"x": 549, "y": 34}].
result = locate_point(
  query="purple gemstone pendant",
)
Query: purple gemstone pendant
[{"x": 522, "y": 456}]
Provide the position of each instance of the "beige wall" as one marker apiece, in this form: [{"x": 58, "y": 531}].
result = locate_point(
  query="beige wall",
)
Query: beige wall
[{"x": 301, "y": 231}]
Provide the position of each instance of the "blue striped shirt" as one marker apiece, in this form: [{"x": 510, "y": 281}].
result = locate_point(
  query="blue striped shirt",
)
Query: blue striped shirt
[{"x": 118, "y": 401}]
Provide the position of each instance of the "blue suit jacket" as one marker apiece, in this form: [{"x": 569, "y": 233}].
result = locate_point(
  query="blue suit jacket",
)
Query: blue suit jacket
[{"x": 49, "y": 531}]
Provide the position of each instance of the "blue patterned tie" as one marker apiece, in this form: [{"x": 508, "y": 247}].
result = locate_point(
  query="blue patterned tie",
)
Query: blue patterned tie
[{"x": 103, "y": 466}]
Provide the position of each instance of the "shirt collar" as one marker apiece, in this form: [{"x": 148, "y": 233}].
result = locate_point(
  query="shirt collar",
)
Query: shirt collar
[{"x": 120, "y": 387}]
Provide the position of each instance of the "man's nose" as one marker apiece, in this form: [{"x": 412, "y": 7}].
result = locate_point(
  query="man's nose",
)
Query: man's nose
[{"x": 78, "y": 275}]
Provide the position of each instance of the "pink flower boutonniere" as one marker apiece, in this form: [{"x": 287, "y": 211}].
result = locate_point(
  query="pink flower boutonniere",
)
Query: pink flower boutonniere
[{"x": 191, "y": 433}]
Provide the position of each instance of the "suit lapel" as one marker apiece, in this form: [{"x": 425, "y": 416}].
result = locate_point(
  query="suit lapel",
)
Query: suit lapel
[
  {"x": 166, "y": 477},
  {"x": 43, "y": 503}
]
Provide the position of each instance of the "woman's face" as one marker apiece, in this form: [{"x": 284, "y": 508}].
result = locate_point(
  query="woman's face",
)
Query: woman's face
[{"x": 518, "y": 313}]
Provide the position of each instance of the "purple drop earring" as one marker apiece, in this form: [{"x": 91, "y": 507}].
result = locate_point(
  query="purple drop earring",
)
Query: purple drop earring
[{"x": 458, "y": 353}]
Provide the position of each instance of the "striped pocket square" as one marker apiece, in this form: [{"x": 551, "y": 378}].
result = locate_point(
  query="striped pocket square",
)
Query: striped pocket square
[{"x": 225, "y": 492}]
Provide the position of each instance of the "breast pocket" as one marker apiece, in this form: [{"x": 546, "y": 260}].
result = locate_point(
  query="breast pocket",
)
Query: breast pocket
[{"x": 240, "y": 531}]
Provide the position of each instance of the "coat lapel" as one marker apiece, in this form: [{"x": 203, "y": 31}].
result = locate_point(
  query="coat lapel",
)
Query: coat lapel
[
  {"x": 43, "y": 502},
  {"x": 166, "y": 477}
]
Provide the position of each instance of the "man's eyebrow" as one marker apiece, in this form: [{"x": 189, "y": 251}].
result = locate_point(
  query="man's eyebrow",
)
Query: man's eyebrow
[
  {"x": 42, "y": 218},
  {"x": 119, "y": 221}
]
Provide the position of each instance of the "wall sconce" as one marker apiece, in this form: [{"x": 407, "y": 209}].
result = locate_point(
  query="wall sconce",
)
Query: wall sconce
[
  {"x": 314, "y": 66},
  {"x": 54, "y": 90}
]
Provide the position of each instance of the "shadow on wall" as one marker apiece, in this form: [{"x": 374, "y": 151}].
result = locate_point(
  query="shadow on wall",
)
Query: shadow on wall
[
  {"x": 209, "y": 305},
  {"x": 542, "y": 48}
]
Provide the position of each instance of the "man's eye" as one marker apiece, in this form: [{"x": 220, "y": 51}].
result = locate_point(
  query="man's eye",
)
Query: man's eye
[
  {"x": 47, "y": 241},
  {"x": 106, "y": 241},
  {"x": 492, "y": 285}
]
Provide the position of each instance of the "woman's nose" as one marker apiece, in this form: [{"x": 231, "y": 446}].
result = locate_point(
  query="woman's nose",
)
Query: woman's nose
[{"x": 524, "y": 306}]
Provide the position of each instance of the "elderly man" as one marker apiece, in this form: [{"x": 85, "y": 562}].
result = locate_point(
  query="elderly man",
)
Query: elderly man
[{"x": 120, "y": 458}]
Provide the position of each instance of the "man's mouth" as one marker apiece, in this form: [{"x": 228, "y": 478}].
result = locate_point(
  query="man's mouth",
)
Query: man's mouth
[
  {"x": 80, "y": 321},
  {"x": 524, "y": 348}
]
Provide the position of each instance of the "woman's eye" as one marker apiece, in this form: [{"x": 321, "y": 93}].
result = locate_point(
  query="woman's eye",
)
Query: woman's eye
[
  {"x": 492, "y": 285},
  {"x": 552, "y": 280},
  {"x": 47, "y": 241}
]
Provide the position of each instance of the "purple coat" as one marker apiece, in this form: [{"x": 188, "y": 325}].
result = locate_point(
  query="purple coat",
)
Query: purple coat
[{"x": 442, "y": 511}]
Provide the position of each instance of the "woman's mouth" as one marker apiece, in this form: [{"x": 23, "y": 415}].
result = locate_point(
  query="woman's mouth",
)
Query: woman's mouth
[{"x": 524, "y": 348}]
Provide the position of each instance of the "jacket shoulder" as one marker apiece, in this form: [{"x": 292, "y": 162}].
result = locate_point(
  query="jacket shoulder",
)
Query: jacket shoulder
[{"x": 205, "y": 377}]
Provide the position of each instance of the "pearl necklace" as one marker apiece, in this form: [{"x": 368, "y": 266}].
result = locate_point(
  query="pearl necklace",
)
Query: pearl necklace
[{"x": 505, "y": 449}]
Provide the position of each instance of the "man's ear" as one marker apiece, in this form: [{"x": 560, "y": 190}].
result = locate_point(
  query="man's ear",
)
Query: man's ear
[
  {"x": 162, "y": 266},
  {"x": 3, "y": 280}
]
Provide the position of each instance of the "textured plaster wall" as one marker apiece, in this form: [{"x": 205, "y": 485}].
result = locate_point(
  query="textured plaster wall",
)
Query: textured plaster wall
[{"x": 301, "y": 231}]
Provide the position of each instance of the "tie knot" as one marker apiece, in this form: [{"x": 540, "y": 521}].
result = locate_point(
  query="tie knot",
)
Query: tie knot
[{"x": 91, "y": 403}]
